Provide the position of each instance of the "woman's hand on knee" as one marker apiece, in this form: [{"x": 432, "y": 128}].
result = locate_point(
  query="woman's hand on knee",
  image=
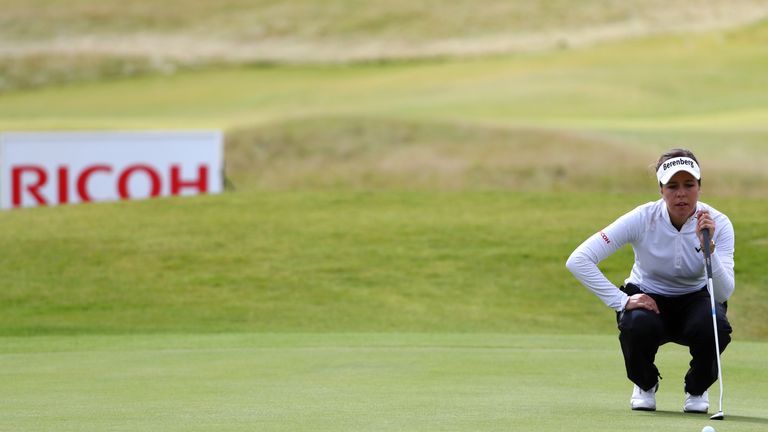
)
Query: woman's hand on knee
[{"x": 642, "y": 301}]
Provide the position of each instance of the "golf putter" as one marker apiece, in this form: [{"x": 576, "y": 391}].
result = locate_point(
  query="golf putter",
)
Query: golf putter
[{"x": 708, "y": 264}]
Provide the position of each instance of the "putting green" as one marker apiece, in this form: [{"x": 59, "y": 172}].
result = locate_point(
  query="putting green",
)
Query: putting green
[{"x": 352, "y": 382}]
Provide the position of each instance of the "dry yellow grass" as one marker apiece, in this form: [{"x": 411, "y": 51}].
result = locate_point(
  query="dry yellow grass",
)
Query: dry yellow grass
[
  {"x": 345, "y": 30},
  {"x": 58, "y": 41},
  {"x": 332, "y": 153}
]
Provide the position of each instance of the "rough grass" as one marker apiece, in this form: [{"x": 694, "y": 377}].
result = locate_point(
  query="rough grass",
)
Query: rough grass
[
  {"x": 82, "y": 40},
  {"x": 704, "y": 83},
  {"x": 45, "y": 69},
  {"x": 327, "y": 153},
  {"x": 366, "y": 20},
  {"x": 382, "y": 154}
]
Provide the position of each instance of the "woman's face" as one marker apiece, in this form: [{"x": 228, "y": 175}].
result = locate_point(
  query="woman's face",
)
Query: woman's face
[{"x": 681, "y": 194}]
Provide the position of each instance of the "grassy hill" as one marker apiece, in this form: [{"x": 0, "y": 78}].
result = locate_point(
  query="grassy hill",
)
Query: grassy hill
[{"x": 331, "y": 262}]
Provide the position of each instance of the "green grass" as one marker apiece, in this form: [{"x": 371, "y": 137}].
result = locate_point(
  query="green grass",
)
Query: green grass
[
  {"x": 353, "y": 382},
  {"x": 393, "y": 255},
  {"x": 330, "y": 262}
]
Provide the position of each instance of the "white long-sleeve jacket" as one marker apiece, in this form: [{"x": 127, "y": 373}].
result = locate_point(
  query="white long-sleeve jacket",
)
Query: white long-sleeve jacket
[{"x": 667, "y": 261}]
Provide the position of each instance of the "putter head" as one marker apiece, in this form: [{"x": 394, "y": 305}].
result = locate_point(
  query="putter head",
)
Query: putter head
[{"x": 718, "y": 416}]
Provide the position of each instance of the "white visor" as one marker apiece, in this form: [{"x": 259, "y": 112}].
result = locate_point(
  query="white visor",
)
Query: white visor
[{"x": 672, "y": 166}]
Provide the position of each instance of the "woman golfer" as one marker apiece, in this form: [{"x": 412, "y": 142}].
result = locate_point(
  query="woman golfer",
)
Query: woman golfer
[{"x": 665, "y": 297}]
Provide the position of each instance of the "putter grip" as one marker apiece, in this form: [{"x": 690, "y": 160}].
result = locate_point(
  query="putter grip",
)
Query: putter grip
[
  {"x": 706, "y": 244},
  {"x": 707, "y": 252}
]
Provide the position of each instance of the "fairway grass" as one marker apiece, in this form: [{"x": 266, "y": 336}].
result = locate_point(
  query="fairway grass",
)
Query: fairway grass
[{"x": 353, "y": 382}]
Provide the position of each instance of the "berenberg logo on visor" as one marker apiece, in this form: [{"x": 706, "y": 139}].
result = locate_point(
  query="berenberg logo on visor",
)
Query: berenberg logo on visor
[
  {"x": 676, "y": 162},
  {"x": 673, "y": 166}
]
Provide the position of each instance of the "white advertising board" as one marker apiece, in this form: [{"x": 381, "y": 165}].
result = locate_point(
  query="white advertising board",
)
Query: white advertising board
[{"x": 55, "y": 168}]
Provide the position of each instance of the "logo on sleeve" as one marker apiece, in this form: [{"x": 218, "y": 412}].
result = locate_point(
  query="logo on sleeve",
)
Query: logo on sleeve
[{"x": 605, "y": 237}]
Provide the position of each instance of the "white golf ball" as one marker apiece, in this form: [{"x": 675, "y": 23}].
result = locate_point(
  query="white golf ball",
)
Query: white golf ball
[{"x": 708, "y": 429}]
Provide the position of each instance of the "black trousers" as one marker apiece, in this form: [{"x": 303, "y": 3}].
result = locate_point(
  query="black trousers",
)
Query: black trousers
[{"x": 685, "y": 320}]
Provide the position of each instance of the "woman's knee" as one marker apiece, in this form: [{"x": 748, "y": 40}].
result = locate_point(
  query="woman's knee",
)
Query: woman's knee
[{"x": 640, "y": 323}]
